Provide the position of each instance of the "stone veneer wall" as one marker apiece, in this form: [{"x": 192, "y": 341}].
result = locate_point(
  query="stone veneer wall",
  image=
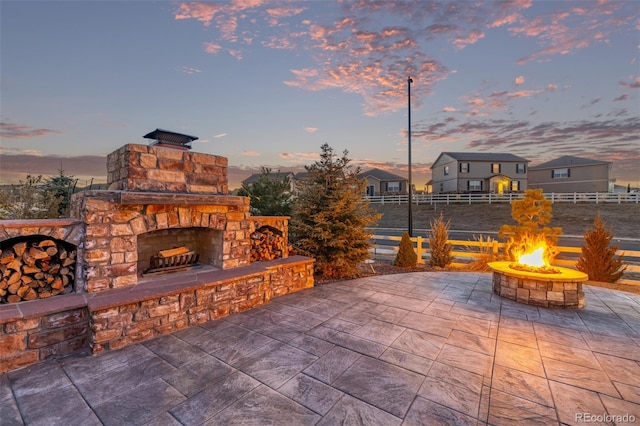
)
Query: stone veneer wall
[
  {"x": 114, "y": 219},
  {"x": 145, "y": 168},
  {"x": 179, "y": 305},
  {"x": 34, "y": 331},
  {"x": 530, "y": 291}
]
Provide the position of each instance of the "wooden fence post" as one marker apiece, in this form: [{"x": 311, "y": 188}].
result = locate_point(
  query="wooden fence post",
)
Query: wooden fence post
[{"x": 420, "y": 249}]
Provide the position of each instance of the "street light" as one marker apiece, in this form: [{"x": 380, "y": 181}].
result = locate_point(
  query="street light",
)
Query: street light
[{"x": 410, "y": 189}]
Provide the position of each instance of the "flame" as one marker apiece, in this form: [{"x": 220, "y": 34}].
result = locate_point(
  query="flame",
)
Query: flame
[{"x": 534, "y": 258}]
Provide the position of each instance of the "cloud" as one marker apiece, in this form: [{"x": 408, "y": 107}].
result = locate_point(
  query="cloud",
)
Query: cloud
[
  {"x": 635, "y": 84},
  {"x": 221, "y": 135},
  {"x": 190, "y": 70},
  {"x": 212, "y": 48},
  {"x": 371, "y": 47},
  {"x": 300, "y": 157},
  {"x": 622, "y": 97},
  {"x": 449, "y": 109},
  {"x": 605, "y": 139},
  {"x": 310, "y": 129},
  {"x": 20, "y": 131},
  {"x": 250, "y": 153},
  {"x": 17, "y": 165}
]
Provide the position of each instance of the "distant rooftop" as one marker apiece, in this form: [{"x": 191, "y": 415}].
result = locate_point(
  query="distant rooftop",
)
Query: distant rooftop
[{"x": 568, "y": 160}]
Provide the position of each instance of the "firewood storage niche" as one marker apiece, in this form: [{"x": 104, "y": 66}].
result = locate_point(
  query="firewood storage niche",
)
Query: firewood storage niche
[{"x": 36, "y": 267}]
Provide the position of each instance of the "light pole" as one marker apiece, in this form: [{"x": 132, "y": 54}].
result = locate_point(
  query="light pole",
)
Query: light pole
[{"x": 410, "y": 189}]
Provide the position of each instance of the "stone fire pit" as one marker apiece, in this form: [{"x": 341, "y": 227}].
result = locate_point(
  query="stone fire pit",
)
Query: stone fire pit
[{"x": 561, "y": 290}]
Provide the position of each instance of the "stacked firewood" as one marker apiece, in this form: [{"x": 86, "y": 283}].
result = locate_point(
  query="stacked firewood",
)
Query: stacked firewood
[
  {"x": 35, "y": 270},
  {"x": 267, "y": 244}
]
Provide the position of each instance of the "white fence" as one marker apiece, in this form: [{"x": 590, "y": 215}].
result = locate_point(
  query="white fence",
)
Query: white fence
[
  {"x": 466, "y": 251},
  {"x": 470, "y": 198}
]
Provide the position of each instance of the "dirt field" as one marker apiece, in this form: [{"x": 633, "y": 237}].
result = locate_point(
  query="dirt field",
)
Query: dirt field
[{"x": 574, "y": 219}]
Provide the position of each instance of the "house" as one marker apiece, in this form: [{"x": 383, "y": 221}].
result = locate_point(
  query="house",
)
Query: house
[
  {"x": 380, "y": 182},
  {"x": 461, "y": 172},
  {"x": 572, "y": 174}
]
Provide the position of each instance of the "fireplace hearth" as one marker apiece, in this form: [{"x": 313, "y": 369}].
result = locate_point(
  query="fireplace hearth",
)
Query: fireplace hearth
[{"x": 165, "y": 247}]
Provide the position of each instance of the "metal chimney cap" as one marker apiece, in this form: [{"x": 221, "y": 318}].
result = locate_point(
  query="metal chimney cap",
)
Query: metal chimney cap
[{"x": 171, "y": 138}]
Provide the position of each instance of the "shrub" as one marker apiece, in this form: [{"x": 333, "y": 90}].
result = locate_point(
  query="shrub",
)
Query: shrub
[
  {"x": 485, "y": 254},
  {"x": 440, "y": 250},
  {"x": 532, "y": 213},
  {"x": 598, "y": 258},
  {"x": 406, "y": 257}
]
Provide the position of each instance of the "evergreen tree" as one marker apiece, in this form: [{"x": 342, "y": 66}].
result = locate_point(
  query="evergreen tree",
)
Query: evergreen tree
[
  {"x": 62, "y": 187},
  {"x": 598, "y": 258},
  {"x": 532, "y": 213},
  {"x": 270, "y": 195},
  {"x": 439, "y": 247},
  {"x": 330, "y": 216},
  {"x": 407, "y": 256}
]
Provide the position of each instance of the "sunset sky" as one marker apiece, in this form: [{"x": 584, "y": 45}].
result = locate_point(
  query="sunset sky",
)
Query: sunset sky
[{"x": 266, "y": 83}]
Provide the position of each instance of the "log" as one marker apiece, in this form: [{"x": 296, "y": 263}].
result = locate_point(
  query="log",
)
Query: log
[
  {"x": 37, "y": 253},
  {"x": 20, "y": 248},
  {"x": 173, "y": 252}
]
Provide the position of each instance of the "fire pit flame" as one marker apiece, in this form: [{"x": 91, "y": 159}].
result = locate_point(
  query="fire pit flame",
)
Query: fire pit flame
[
  {"x": 534, "y": 258},
  {"x": 534, "y": 261}
]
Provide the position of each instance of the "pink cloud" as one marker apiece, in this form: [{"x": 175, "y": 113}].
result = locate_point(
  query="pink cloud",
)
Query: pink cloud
[
  {"x": 250, "y": 153},
  {"x": 310, "y": 129},
  {"x": 203, "y": 12},
  {"x": 519, "y": 80},
  {"x": 18, "y": 131},
  {"x": 470, "y": 38},
  {"x": 211, "y": 47},
  {"x": 448, "y": 109}
]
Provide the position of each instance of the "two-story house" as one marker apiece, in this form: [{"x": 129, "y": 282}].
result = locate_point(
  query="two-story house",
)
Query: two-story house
[
  {"x": 572, "y": 174},
  {"x": 380, "y": 182},
  {"x": 461, "y": 172}
]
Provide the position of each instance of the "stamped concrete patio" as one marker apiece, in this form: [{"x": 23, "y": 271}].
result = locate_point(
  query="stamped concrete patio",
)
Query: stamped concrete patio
[{"x": 411, "y": 349}]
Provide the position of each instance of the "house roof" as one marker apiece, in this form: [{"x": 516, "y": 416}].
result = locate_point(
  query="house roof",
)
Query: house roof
[
  {"x": 275, "y": 176},
  {"x": 481, "y": 156},
  {"x": 381, "y": 175},
  {"x": 568, "y": 160}
]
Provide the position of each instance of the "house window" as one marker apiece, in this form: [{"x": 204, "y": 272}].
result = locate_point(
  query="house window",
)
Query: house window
[
  {"x": 474, "y": 185},
  {"x": 495, "y": 168},
  {"x": 560, "y": 173},
  {"x": 464, "y": 167},
  {"x": 446, "y": 170},
  {"x": 393, "y": 186},
  {"x": 441, "y": 187},
  {"x": 521, "y": 168},
  {"x": 515, "y": 185}
]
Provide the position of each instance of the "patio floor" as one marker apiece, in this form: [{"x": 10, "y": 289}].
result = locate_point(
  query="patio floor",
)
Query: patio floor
[{"x": 413, "y": 349}]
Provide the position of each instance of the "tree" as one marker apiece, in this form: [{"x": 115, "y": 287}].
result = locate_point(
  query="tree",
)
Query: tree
[
  {"x": 532, "y": 213},
  {"x": 270, "y": 195},
  {"x": 598, "y": 258},
  {"x": 28, "y": 200},
  {"x": 407, "y": 256},
  {"x": 62, "y": 187},
  {"x": 330, "y": 216},
  {"x": 438, "y": 246}
]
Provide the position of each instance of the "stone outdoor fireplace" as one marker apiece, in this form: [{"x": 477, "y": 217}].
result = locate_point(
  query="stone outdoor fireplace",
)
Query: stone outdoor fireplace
[{"x": 163, "y": 248}]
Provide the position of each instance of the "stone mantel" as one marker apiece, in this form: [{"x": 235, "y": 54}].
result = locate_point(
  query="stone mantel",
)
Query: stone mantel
[{"x": 163, "y": 198}]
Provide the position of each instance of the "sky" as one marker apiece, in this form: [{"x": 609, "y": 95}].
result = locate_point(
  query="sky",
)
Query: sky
[{"x": 267, "y": 83}]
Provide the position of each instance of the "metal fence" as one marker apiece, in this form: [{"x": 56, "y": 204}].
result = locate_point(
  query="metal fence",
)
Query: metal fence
[
  {"x": 465, "y": 252},
  {"x": 471, "y": 198}
]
